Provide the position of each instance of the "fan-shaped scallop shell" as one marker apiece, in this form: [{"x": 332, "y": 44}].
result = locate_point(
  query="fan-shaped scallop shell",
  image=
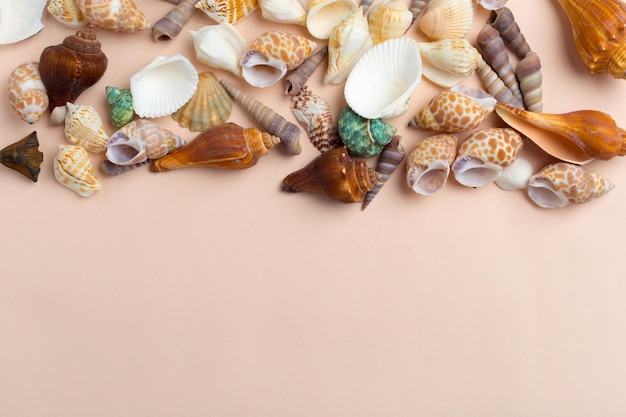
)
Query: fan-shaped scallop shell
[
  {"x": 84, "y": 127},
  {"x": 26, "y": 92},
  {"x": 117, "y": 15},
  {"x": 209, "y": 106},
  {"x": 516, "y": 175},
  {"x": 219, "y": 46},
  {"x": 389, "y": 19},
  {"x": 230, "y": 11},
  {"x": 447, "y": 19},
  {"x": 67, "y": 12},
  {"x": 324, "y": 15},
  {"x": 448, "y": 62},
  {"x": 73, "y": 169},
  {"x": 314, "y": 114},
  {"x": 20, "y": 19},
  {"x": 428, "y": 163}
]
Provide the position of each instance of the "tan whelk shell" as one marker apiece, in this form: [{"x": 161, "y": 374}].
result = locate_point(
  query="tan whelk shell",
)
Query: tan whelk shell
[
  {"x": 67, "y": 12},
  {"x": 230, "y": 11},
  {"x": 447, "y": 62},
  {"x": 73, "y": 169},
  {"x": 84, "y": 127}
]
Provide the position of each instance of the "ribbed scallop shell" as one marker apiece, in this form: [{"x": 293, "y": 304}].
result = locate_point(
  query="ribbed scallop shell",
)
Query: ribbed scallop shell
[
  {"x": 20, "y": 19},
  {"x": 381, "y": 83},
  {"x": 324, "y": 15},
  {"x": 447, "y": 19},
  {"x": 84, "y": 127},
  {"x": 230, "y": 11},
  {"x": 117, "y": 15},
  {"x": 515, "y": 176},
  {"x": 210, "y": 105},
  {"x": 389, "y": 19},
  {"x": 73, "y": 169},
  {"x": 428, "y": 163},
  {"x": 283, "y": 11},
  {"x": 26, "y": 92},
  {"x": 67, "y": 12},
  {"x": 448, "y": 62},
  {"x": 219, "y": 46},
  {"x": 163, "y": 86}
]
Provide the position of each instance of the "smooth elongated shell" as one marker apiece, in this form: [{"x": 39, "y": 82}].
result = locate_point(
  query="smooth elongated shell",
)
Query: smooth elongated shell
[
  {"x": 26, "y": 93},
  {"x": 324, "y": 15},
  {"x": 458, "y": 110},
  {"x": 599, "y": 35},
  {"x": 227, "y": 146},
  {"x": 84, "y": 127},
  {"x": 428, "y": 163},
  {"x": 283, "y": 11},
  {"x": 347, "y": 43},
  {"x": 210, "y": 105},
  {"x": 383, "y": 80},
  {"x": 23, "y": 156},
  {"x": 121, "y": 102},
  {"x": 140, "y": 140},
  {"x": 448, "y": 62},
  {"x": 576, "y": 137},
  {"x": 363, "y": 137},
  {"x": 20, "y": 19},
  {"x": 515, "y": 176},
  {"x": 219, "y": 46},
  {"x": 67, "y": 12},
  {"x": 482, "y": 156},
  {"x": 560, "y": 184},
  {"x": 163, "y": 86},
  {"x": 73, "y": 169},
  {"x": 170, "y": 25},
  {"x": 389, "y": 19},
  {"x": 117, "y": 15},
  {"x": 390, "y": 158},
  {"x": 447, "y": 19},
  {"x": 528, "y": 73},
  {"x": 314, "y": 114},
  {"x": 230, "y": 11},
  {"x": 334, "y": 174}
]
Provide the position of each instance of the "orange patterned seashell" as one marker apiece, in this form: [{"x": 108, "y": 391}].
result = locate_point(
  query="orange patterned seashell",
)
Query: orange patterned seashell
[
  {"x": 117, "y": 15},
  {"x": 598, "y": 30},
  {"x": 428, "y": 163},
  {"x": 26, "y": 92},
  {"x": 334, "y": 174},
  {"x": 577, "y": 137},
  {"x": 227, "y": 146},
  {"x": 230, "y": 11}
]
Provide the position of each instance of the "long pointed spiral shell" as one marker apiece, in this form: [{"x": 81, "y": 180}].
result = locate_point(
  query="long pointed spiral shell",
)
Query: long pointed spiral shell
[
  {"x": 298, "y": 77},
  {"x": 504, "y": 22},
  {"x": 366, "y": 4},
  {"x": 528, "y": 73},
  {"x": 170, "y": 25},
  {"x": 416, "y": 8},
  {"x": 495, "y": 86},
  {"x": 390, "y": 158},
  {"x": 314, "y": 114}
]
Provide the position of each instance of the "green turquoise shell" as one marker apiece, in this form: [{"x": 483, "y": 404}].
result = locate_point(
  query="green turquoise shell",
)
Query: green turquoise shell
[
  {"x": 363, "y": 137},
  {"x": 121, "y": 102}
]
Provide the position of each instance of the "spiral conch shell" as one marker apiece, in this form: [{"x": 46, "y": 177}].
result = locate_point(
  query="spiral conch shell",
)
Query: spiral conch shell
[
  {"x": 117, "y": 15},
  {"x": 428, "y": 163},
  {"x": 67, "y": 12},
  {"x": 447, "y": 62},
  {"x": 219, "y": 46},
  {"x": 26, "y": 92},
  {"x": 599, "y": 35},
  {"x": 562, "y": 183},
  {"x": 84, "y": 127},
  {"x": 314, "y": 114},
  {"x": 73, "y": 169},
  {"x": 231, "y": 11}
]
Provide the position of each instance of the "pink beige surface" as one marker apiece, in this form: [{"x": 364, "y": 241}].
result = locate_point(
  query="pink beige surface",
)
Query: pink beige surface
[{"x": 202, "y": 292}]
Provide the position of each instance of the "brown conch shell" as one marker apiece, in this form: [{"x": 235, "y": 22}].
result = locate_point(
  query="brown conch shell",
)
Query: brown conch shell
[
  {"x": 23, "y": 156},
  {"x": 577, "y": 137},
  {"x": 334, "y": 174},
  {"x": 599, "y": 35},
  {"x": 227, "y": 146}
]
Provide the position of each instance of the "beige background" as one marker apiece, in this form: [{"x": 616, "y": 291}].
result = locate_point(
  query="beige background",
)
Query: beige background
[{"x": 208, "y": 293}]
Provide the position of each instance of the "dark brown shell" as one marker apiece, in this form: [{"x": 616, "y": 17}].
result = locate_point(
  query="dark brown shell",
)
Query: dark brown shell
[{"x": 23, "y": 156}]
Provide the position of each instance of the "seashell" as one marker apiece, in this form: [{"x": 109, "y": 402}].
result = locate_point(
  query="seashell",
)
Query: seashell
[
  {"x": 447, "y": 19},
  {"x": 84, "y": 127},
  {"x": 381, "y": 83},
  {"x": 324, "y": 15},
  {"x": 416, "y": 8},
  {"x": 20, "y": 20},
  {"x": 121, "y": 102},
  {"x": 482, "y": 156},
  {"x": 334, "y": 174},
  {"x": 68, "y": 13},
  {"x": 70, "y": 68},
  {"x": 117, "y": 15},
  {"x": 491, "y": 4},
  {"x": 528, "y": 73},
  {"x": 283, "y": 11},
  {"x": 270, "y": 121},
  {"x": 577, "y": 137},
  {"x": 26, "y": 92},
  {"x": 366, "y": 4},
  {"x": 23, "y": 156},
  {"x": 163, "y": 86},
  {"x": 347, "y": 43},
  {"x": 392, "y": 155},
  {"x": 297, "y": 78},
  {"x": 219, "y": 46},
  {"x": 495, "y": 86},
  {"x": 363, "y": 137},
  {"x": 170, "y": 25},
  {"x": 493, "y": 51},
  {"x": 389, "y": 19},
  {"x": 230, "y": 11},
  {"x": 139, "y": 140},
  {"x": 73, "y": 169},
  {"x": 503, "y": 21},
  {"x": 209, "y": 106},
  {"x": 227, "y": 146},
  {"x": 272, "y": 54},
  {"x": 447, "y": 62},
  {"x": 599, "y": 36},
  {"x": 110, "y": 169},
  {"x": 457, "y": 110},
  {"x": 428, "y": 163},
  {"x": 560, "y": 184},
  {"x": 314, "y": 114},
  {"x": 515, "y": 176}
]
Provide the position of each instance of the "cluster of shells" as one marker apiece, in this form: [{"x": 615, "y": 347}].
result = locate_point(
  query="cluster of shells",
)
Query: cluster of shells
[{"x": 363, "y": 49}]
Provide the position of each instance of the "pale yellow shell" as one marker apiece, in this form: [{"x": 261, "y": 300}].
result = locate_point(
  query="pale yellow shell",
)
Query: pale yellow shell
[
  {"x": 389, "y": 20},
  {"x": 26, "y": 92},
  {"x": 231, "y": 11},
  {"x": 73, "y": 169},
  {"x": 219, "y": 46},
  {"x": 117, "y": 15},
  {"x": 84, "y": 127},
  {"x": 283, "y": 11},
  {"x": 447, "y": 62},
  {"x": 67, "y": 12},
  {"x": 324, "y": 15},
  {"x": 447, "y": 19},
  {"x": 210, "y": 105}
]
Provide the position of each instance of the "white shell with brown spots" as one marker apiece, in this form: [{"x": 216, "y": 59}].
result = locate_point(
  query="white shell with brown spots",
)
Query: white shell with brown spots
[{"x": 428, "y": 163}]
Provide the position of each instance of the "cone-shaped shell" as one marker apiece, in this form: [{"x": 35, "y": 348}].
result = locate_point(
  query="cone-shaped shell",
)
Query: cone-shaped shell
[
  {"x": 67, "y": 12},
  {"x": 447, "y": 62},
  {"x": 20, "y": 19},
  {"x": 296, "y": 79},
  {"x": 560, "y": 184},
  {"x": 227, "y": 146},
  {"x": 428, "y": 163},
  {"x": 73, "y": 169},
  {"x": 23, "y": 156},
  {"x": 390, "y": 158},
  {"x": 209, "y": 106},
  {"x": 503, "y": 21},
  {"x": 230, "y": 11},
  {"x": 117, "y": 15},
  {"x": 324, "y": 15},
  {"x": 121, "y": 102},
  {"x": 26, "y": 93},
  {"x": 334, "y": 174},
  {"x": 389, "y": 19},
  {"x": 219, "y": 46},
  {"x": 576, "y": 137},
  {"x": 447, "y": 19},
  {"x": 170, "y": 25},
  {"x": 363, "y": 137},
  {"x": 283, "y": 11},
  {"x": 84, "y": 127}
]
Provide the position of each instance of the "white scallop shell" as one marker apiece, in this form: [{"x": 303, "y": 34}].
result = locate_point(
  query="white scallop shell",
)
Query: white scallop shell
[
  {"x": 381, "y": 83},
  {"x": 324, "y": 15},
  {"x": 515, "y": 176},
  {"x": 447, "y": 19},
  {"x": 163, "y": 86},
  {"x": 20, "y": 19},
  {"x": 219, "y": 46},
  {"x": 283, "y": 11}
]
